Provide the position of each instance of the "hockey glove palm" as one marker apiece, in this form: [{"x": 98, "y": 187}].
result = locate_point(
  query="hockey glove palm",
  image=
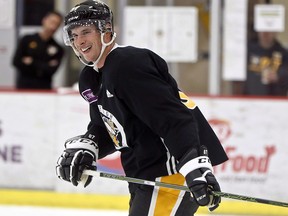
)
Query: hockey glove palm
[
  {"x": 79, "y": 154},
  {"x": 199, "y": 178}
]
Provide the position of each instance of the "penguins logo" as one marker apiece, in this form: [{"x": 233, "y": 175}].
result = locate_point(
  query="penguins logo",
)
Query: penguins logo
[
  {"x": 113, "y": 131},
  {"x": 114, "y": 128}
]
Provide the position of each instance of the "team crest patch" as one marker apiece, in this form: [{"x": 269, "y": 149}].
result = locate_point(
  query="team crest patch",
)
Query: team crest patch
[
  {"x": 113, "y": 131},
  {"x": 114, "y": 128}
]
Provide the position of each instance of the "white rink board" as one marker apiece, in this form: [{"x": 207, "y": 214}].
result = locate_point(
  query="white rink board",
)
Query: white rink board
[
  {"x": 27, "y": 130},
  {"x": 253, "y": 132}
]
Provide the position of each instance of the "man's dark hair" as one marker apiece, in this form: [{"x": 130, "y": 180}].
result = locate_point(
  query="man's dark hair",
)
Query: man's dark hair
[{"x": 54, "y": 12}]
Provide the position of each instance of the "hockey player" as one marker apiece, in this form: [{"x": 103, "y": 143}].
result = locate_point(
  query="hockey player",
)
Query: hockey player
[{"x": 137, "y": 109}]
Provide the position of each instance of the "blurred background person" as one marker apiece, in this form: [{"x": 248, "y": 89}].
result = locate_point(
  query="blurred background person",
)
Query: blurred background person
[
  {"x": 38, "y": 56},
  {"x": 267, "y": 66}
]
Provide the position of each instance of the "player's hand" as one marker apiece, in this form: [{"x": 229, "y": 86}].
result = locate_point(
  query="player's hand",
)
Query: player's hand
[
  {"x": 79, "y": 154},
  {"x": 53, "y": 63},
  {"x": 203, "y": 182},
  {"x": 200, "y": 178},
  {"x": 27, "y": 60}
]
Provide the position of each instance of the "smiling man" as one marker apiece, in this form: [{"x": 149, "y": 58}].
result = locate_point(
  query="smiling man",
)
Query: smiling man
[{"x": 136, "y": 108}]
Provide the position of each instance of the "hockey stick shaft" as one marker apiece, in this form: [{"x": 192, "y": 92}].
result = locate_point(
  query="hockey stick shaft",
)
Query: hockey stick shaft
[{"x": 181, "y": 187}]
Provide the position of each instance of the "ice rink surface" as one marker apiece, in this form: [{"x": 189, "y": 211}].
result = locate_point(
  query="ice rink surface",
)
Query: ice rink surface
[
  {"x": 46, "y": 211},
  {"x": 43, "y": 211}
]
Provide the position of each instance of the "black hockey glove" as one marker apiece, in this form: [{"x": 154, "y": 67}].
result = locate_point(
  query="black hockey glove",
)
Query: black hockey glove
[
  {"x": 80, "y": 153},
  {"x": 198, "y": 172}
]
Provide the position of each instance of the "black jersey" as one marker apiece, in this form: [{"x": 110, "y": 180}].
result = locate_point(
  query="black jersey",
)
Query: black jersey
[
  {"x": 39, "y": 73},
  {"x": 135, "y": 107}
]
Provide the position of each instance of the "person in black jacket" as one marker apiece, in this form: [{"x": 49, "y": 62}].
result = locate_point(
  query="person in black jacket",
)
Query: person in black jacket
[
  {"x": 267, "y": 67},
  {"x": 136, "y": 108},
  {"x": 38, "y": 55}
]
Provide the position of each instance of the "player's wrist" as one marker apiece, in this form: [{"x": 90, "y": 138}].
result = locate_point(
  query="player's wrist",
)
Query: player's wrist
[
  {"x": 80, "y": 142},
  {"x": 196, "y": 158},
  {"x": 200, "y": 162}
]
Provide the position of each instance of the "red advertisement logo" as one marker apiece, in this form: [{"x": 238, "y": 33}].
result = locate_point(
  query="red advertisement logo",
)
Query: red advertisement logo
[{"x": 241, "y": 162}]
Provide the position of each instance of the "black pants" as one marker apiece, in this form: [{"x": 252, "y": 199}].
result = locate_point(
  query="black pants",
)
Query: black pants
[{"x": 158, "y": 201}]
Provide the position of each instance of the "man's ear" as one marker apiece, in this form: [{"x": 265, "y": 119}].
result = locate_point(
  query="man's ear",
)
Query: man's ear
[{"x": 108, "y": 36}]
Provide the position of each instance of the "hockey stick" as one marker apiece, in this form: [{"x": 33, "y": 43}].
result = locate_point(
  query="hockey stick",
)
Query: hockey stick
[{"x": 181, "y": 187}]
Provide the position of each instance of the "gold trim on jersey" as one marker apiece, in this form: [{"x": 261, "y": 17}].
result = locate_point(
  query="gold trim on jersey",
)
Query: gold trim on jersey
[
  {"x": 187, "y": 101},
  {"x": 165, "y": 201}
]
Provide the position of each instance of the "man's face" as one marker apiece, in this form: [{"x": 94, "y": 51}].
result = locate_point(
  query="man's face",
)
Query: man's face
[
  {"x": 87, "y": 41},
  {"x": 266, "y": 39},
  {"x": 51, "y": 23}
]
